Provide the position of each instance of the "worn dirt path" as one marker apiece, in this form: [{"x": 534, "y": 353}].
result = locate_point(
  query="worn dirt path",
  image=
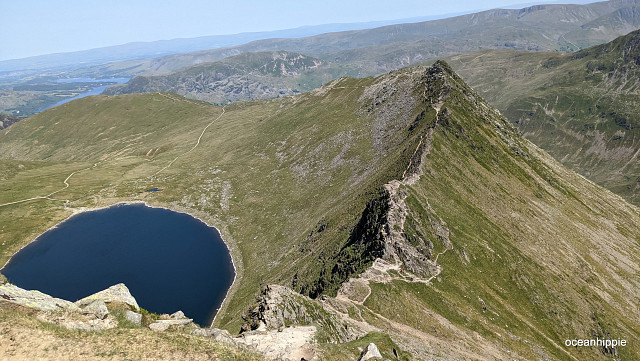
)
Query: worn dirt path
[
  {"x": 194, "y": 146},
  {"x": 48, "y": 196},
  {"x": 66, "y": 181}
]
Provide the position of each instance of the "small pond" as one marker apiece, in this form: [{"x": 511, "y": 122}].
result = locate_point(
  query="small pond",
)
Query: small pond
[{"x": 169, "y": 261}]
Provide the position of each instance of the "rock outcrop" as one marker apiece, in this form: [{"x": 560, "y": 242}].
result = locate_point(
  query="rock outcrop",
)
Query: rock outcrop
[
  {"x": 291, "y": 343},
  {"x": 279, "y": 306},
  {"x": 116, "y": 293},
  {"x": 176, "y": 319},
  {"x": 216, "y": 334},
  {"x": 371, "y": 352},
  {"x": 35, "y": 299},
  {"x": 88, "y": 314}
]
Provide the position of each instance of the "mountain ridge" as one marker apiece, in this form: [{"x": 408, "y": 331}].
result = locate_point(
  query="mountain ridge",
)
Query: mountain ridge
[
  {"x": 524, "y": 253},
  {"x": 534, "y": 20}
]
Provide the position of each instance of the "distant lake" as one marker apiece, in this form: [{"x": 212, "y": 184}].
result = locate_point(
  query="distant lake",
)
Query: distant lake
[
  {"x": 92, "y": 80},
  {"x": 170, "y": 261},
  {"x": 94, "y": 91}
]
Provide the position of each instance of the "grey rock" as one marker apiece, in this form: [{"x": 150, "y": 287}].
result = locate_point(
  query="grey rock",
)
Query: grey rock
[
  {"x": 216, "y": 334},
  {"x": 177, "y": 315},
  {"x": 370, "y": 352},
  {"x": 204, "y": 332},
  {"x": 34, "y": 299},
  {"x": 75, "y": 321},
  {"x": 280, "y": 306},
  {"x": 163, "y": 325},
  {"x": 116, "y": 293},
  {"x": 133, "y": 317},
  {"x": 97, "y": 308},
  {"x": 159, "y": 326}
]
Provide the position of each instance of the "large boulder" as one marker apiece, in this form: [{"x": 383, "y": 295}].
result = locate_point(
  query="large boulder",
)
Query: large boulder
[
  {"x": 163, "y": 325},
  {"x": 117, "y": 293},
  {"x": 34, "y": 299},
  {"x": 371, "y": 352}
]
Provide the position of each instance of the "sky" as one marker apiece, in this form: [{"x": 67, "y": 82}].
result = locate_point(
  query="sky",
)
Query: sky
[{"x": 36, "y": 27}]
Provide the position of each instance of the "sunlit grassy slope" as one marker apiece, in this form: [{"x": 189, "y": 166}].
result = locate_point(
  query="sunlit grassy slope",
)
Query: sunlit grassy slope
[
  {"x": 582, "y": 108},
  {"x": 536, "y": 254}
]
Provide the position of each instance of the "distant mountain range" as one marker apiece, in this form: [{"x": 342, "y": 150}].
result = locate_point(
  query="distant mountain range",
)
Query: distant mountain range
[
  {"x": 153, "y": 49},
  {"x": 246, "y": 76},
  {"x": 375, "y": 51},
  {"x": 540, "y": 28},
  {"x": 356, "y": 53}
]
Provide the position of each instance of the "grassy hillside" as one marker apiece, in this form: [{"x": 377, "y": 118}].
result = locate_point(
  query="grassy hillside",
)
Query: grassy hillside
[
  {"x": 496, "y": 250},
  {"x": 581, "y": 108}
]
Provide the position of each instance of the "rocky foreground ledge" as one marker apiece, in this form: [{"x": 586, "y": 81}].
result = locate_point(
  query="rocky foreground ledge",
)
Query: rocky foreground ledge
[{"x": 111, "y": 307}]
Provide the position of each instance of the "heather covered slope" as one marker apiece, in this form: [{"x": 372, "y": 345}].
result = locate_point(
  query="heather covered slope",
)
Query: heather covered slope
[
  {"x": 581, "y": 108},
  {"x": 492, "y": 249}
]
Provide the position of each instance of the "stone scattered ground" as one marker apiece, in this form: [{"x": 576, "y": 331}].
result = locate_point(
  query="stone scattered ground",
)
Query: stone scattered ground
[
  {"x": 290, "y": 343},
  {"x": 27, "y": 339},
  {"x": 92, "y": 316},
  {"x": 36, "y": 326}
]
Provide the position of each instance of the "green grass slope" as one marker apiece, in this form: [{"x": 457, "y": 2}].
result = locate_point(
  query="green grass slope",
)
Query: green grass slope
[
  {"x": 411, "y": 166},
  {"x": 581, "y": 108},
  {"x": 533, "y": 257}
]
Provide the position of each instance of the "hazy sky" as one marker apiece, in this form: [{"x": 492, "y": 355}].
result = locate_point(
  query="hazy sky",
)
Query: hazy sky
[{"x": 34, "y": 27}]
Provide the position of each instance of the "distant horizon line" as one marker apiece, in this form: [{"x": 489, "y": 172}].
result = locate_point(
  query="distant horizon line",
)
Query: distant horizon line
[{"x": 380, "y": 23}]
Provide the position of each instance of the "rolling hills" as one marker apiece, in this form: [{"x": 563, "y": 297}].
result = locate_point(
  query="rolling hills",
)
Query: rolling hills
[
  {"x": 482, "y": 245},
  {"x": 359, "y": 53},
  {"x": 539, "y": 28}
]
